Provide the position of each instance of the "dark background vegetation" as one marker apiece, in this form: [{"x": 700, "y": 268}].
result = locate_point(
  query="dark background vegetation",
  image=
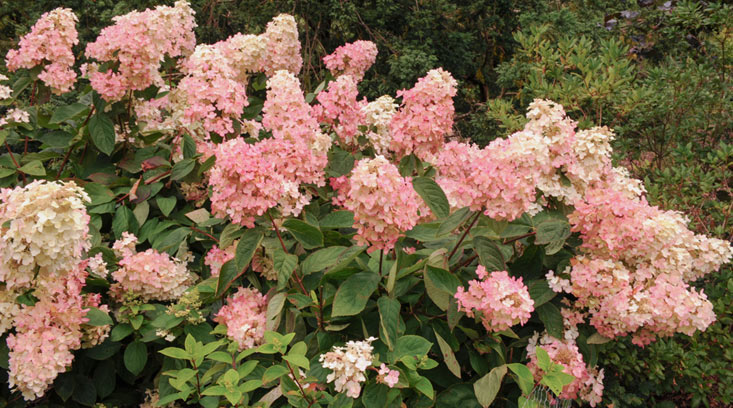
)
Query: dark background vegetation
[{"x": 658, "y": 73}]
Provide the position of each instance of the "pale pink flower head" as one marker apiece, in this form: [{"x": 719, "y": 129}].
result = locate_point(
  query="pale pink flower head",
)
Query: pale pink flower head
[
  {"x": 502, "y": 300},
  {"x": 385, "y": 204},
  {"x": 340, "y": 108},
  {"x": 157, "y": 33},
  {"x": 217, "y": 257},
  {"x": 213, "y": 93},
  {"x": 49, "y": 43},
  {"x": 151, "y": 275},
  {"x": 352, "y": 59},
  {"x": 388, "y": 376},
  {"x": 244, "y": 317},
  {"x": 425, "y": 116},
  {"x": 43, "y": 231},
  {"x": 283, "y": 48},
  {"x": 47, "y": 333}
]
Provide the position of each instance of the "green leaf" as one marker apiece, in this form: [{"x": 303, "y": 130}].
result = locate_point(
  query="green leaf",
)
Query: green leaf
[
  {"x": 442, "y": 279},
  {"x": 448, "y": 357},
  {"x": 120, "y": 331},
  {"x": 550, "y": 315},
  {"x": 166, "y": 204},
  {"x": 597, "y": 338},
  {"x": 273, "y": 373},
  {"x": 298, "y": 360},
  {"x": 135, "y": 357},
  {"x": 66, "y": 112},
  {"x": 34, "y": 168},
  {"x": 423, "y": 385},
  {"x": 189, "y": 146},
  {"x": 5, "y": 172},
  {"x": 274, "y": 307},
  {"x": 105, "y": 378},
  {"x": 309, "y": 236},
  {"x": 411, "y": 345},
  {"x": 524, "y": 377},
  {"x": 487, "y": 387},
  {"x": 338, "y": 219},
  {"x": 177, "y": 353},
  {"x": 284, "y": 265},
  {"x": 453, "y": 221},
  {"x": 246, "y": 248},
  {"x": 543, "y": 359},
  {"x": 345, "y": 259},
  {"x": 556, "y": 381},
  {"x": 99, "y": 193},
  {"x": 540, "y": 292},
  {"x": 97, "y": 317},
  {"x": 489, "y": 254},
  {"x": 322, "y": 259},
  {"x": 102, "y": 132},
  {"x": 182, "y": 169},
  {"x": 433, "y": 195},
  {"x": 389, "y": 320},
  {"x": 352, "y": 296},
  {"x": 552, "y": 230},
  {"x": 227, "y": 274},
  {"x": 123, "y": 221}
]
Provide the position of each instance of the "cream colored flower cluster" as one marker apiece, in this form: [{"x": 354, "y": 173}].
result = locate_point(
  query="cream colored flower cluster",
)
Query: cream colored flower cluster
[
  {"x": 348, "y": 364},
  {"x": 43, "y": 232}
]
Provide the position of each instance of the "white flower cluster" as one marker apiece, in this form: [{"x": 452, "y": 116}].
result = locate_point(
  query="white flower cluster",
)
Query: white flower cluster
[
  {"x": 378, "y": 115},
  {"x": 43, "y": 231},
  {"x": 348, "y": 364}
]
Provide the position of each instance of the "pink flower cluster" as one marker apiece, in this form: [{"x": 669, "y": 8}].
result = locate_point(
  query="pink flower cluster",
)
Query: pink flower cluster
[
  {"x": 213, "y": 93},
  {"x": 498, "y": 179},
  {"x": 388, "y": 376},
  {"x": 157, "y": 33},
  {"x": 48, "y": 332},
  {"x": 244, "y": 316},
  {"x": 149, "y": 275},
  {"x": 340, "y": 108},
  {"x": 588, "y": 383},
  {"x": 425, "y": 116},
  {"x": 637, "y": 261},
  {"x": 282, "y": 46},
  {"x": 248, "y": 179},
  {"x": 384, "y": 203},
  {"x": 352, "y": 59},
  {"x": 500, "y": 300},
  {"x": 216, "y": 257},
  {"x": 49, "y": 42}
]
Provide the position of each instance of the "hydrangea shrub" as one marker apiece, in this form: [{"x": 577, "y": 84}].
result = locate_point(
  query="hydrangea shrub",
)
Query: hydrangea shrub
[{"x": 197, "y": 229}]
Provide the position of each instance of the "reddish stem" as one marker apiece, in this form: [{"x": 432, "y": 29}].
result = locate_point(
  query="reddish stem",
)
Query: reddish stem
[
  {"x": 464, "y": 236},
  {"x": 205, "y": 233},
  {"x": 17, "y": 166}
]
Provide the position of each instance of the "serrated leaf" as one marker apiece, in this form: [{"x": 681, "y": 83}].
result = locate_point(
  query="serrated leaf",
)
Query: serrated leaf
[
  {"x": 487, "y": 387},
  {"x": 166, "y": 204},
  {"x": 97, "y": 317},
  {"x": 273, "y": 373},
  {"x": 338, "y": 219},
  {"x": 66, "y": 112},
  {"x": 182, "y": 169},
  {"x": 448, "y": 357},
  {"x": 389, "y": 320},
  {"x": 551, "y": 317},
  {"x": 552, "y": 230},
  {"x": 246, "y": 248},
  {"x": 309, "y": 236},
  {"x": 489, "y": 254},
  {"x": 135, "y": 357},
  {"x": 102, "y": 133},
  {"x": 433, "y": 195},
  {"x": 353, "y": 294},
  {"x": 322, "y": 259},
  {"x": 34, "y": 168},
  {"x": 540, "y": 292},
  {"x": 284, "y": 265},
  {"x": 524, "y": 377}
]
